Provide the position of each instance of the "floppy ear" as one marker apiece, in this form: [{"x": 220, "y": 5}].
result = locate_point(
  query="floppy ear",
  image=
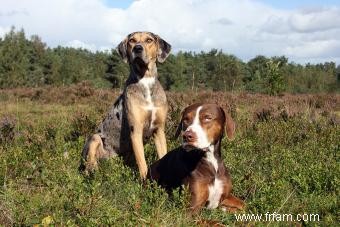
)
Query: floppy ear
[
  {"x": 121, "y": 49},
  {"x": 230, "y": 126},
  {"x": 164, "y": 49},
  {"x": 179, "y": 129}
]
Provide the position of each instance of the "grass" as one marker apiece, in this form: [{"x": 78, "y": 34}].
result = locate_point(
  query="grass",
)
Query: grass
[{"x": 285, "y": 158}]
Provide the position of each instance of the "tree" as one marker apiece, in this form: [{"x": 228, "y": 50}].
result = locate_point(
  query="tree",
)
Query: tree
[
  {"x": 338, "y": 73},
  {"x": 266, "y": 75},
  {"x": 274, "y": 81},
  {"x": 166, "y": 73},
  {"x": 30, "y": 63},
  {"x": 116, "y": 71},
  {"x": 254, "y": 77},
  {"x": 14, "y": 60}
]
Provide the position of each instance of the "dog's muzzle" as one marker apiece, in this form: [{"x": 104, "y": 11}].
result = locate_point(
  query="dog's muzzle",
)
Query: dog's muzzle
[
  {"x": 139, "y": 55},
  {"x": 138, "y": 49},
  {"x": 189, "y": 139},
  {"x": 189, "y": 136}
]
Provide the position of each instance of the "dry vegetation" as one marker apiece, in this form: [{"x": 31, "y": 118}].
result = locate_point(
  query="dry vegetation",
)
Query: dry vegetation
[{"x": 285, "y": 158}]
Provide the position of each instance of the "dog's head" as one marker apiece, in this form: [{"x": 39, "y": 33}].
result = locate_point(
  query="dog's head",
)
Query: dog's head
[
  {"x": 143, "y": 47},
  {"x": 203, "y": 125}
]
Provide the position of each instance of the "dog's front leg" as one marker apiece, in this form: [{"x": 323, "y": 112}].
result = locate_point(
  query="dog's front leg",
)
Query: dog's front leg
[
  {"x": 160, "y": 142},
  {"x": 138, "y": 150},
  {"x": 136, "y": 118},
  {"x": 159, "y": 136}
]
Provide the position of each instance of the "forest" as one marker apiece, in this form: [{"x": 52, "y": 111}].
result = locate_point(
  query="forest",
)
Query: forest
[{"x": 29, "y": 62}]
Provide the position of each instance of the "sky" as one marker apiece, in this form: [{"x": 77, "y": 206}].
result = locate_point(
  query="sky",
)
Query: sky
[{"x": 302, "y": 30}]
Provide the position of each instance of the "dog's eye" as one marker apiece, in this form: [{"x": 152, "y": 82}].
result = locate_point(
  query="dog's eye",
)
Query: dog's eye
[
  {"x": 149, "y": 40},
  {"x": 132, "y": 40},
  {"x": 207, "y": 118}
]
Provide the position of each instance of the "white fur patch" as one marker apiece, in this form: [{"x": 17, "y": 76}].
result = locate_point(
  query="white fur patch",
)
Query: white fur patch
[
  {"x": 210, "y": 157},
  {"x": 148, "y": 82},
  {"x": 202, "y": 139},
  {"x": 215, "y": 192}
]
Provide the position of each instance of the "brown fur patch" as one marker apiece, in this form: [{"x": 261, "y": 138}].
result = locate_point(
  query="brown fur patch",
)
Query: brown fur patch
[{"x": 199, "y": 194}]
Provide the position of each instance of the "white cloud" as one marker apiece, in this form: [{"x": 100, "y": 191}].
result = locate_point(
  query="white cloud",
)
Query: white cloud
[
  {"x": 245, "y": 28},
  {"x": 313, "y": 20},
  {"x": 315, "y": 49},
  {"x": 3, "y": 31},
  {"x": 79, "y": 44},
  {"x": 223, "y": 21}
]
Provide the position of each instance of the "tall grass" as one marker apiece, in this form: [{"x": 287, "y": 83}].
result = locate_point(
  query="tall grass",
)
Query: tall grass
[{"x": 285, "y": 158}]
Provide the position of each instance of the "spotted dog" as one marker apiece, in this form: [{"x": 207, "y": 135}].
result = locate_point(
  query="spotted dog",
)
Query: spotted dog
[
  {"x": 198, "y": 163},
  {"x": 139, "y": 112}
]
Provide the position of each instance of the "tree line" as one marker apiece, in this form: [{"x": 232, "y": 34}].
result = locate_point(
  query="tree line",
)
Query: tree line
[{"x": 28, "y": 62}]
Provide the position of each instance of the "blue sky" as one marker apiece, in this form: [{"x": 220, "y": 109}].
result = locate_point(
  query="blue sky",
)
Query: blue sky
[
  {"x": 302, "y": 30},
  {"x": 123, "y": 4},
  {"x": 281, "y": 4}
]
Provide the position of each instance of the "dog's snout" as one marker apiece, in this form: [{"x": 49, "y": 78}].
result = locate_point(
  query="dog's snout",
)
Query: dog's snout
[
  {"x": 138, "y": 49},
  {"x": 189, "y": 136}
]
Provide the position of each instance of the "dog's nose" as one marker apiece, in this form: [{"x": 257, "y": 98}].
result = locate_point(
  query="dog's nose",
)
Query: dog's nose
[
  {"x": 189, "y": 136},
  {"x": 138, "y": 49}
]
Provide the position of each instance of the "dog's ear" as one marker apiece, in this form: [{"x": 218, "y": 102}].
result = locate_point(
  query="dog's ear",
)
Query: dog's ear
[
  {"x": 122, "y": 49},
  {"x": 164, "y": 49},
  {"x": 179, "y": 129},
  {"x": 230, "y": 125}
]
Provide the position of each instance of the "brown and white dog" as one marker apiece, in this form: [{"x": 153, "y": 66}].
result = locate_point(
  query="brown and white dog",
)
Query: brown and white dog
[
  {"x": 198, "y": 163},
  {"x": 139, "y": 112}
]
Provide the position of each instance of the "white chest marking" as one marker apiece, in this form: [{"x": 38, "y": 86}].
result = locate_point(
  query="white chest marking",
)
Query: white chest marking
[
  {"x": 202, "y": 138},
  {"x": 215, "y": 192},
  {"x": 210, "y": 157},
  {"x": 148, "y": 82}
]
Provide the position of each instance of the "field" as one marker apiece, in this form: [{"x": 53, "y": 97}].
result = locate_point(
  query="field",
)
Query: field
[{"x": 284, "y": 159}]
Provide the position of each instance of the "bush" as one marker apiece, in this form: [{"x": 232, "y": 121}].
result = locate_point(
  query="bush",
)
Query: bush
[
  {"x": 7, "y": 130},
  {"x": 81, "y": 125},
  {"x": 283, "y": 160}
]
